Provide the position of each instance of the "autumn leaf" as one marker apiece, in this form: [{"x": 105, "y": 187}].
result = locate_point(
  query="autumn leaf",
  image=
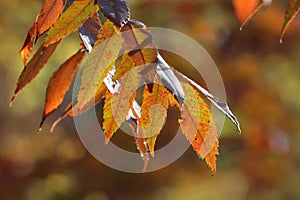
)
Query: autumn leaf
[
  {"x": 290, "y": 14},
  {"x": 48, "y": 15},
  {"x": 154, "y": 113},
  {"x": 168, "y": 78},
  {"x": 196, "y": 123},
  {"x": 245, "y": 10},
  {"x": 88, "y": 32},
  {"x": 60, "y": 82},
  {"x": 115, "y": 10},
  {"x": 99, "y": 63},
  {"x": 34, "y": 66},
  {"x": 76, "y": 110},
  {"x": 99, "y": 94},
  {"x": 142, "y": 50},
  {"x": 28, "y": 43},
  {"x": 75, "y": 15},
  {"x": 118, "y": 105}
]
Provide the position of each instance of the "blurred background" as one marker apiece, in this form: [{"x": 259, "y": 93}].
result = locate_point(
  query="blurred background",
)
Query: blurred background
[{"x": 261, "y": 78}]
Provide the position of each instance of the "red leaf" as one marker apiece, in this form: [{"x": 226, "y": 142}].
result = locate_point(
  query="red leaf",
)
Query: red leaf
[
  {"x": 48, "y": 15},
  {"x": 34, "y": 66}
]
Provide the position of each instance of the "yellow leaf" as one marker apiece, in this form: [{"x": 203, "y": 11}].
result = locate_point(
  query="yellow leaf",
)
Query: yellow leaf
[
  {"x": 154, "y": 113},
  {"x": 196, "y": 123},
  {"x": 99, "y": 63},
  {"x": 117, "y": 105},
  {"x": 71, "y": 20}
]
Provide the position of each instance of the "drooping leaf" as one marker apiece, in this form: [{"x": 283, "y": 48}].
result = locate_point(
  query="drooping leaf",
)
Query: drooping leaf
[
  {"x": 196, "y": 123},
  {"x": 168, "y": 78},
  {"x": 115, "y": 10},
  {"x": 245, "y": 10},
  {"x": 89, "y": 30},
  {"x": 118, "y": 105},
  {"x": 222, "y": 106},
  {"x": 142, "y": 50},
  {"x": 28, "y": 43},
  {"x": 290, "y": 14},
  {"x": 71, "y": 20},
  {"x": 34, "y": 66},
  {"x": 60, "y": 82},
  {"x": 211, "y": 158},
  {"x": 99, "y": 63},
  {"x": 48, "y": 15},
  {"x": 154, "y": 113}
]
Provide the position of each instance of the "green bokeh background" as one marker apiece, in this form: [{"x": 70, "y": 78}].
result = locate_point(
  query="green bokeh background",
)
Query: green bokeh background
[{"x": 261, "y": 77}]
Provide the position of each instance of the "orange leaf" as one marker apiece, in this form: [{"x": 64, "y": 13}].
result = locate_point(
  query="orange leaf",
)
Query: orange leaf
[
  {"x": 117, "y": 105},
  {"x": 99, "y": 63},
  {"x": 34, "y": 66},
  {"x": 154, "y": 113},
  {"x": 60, "y": 82},
  {"x": 142, "y": 50},
  {"x": 245, "y": 9},
  {"x": 70, "y": 20},
  {"x": 28, "y": 43},
  {"x": 48, "y": 15},
  {"x": 290, "y": 14},
  {"x": 124, "y": 66},
  {"x": 196, "y": 124}
]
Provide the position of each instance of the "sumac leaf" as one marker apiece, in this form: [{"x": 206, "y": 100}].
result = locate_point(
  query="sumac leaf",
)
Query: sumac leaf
[{"x": 115, "y": 10}]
